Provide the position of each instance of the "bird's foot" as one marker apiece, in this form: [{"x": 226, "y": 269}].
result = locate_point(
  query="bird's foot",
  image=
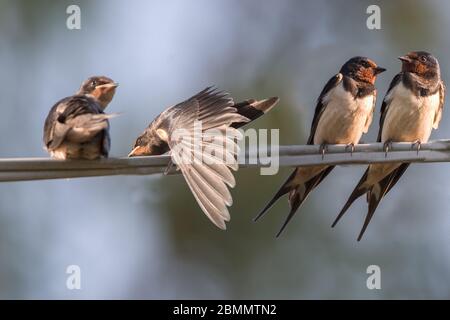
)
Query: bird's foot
[
  {"x": 322, "y": 149},
  {"x": 350, "y": 146},
  {"x": 168, "y": 168},
  {"x": 416, "y": 145},
  {"x": 386, "y": 147}
]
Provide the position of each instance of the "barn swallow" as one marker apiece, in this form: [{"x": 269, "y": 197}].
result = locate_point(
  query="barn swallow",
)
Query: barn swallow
[
  {"x": 411, "y": 108},
  {"x": 76, "y": 126},
  {"x": 215, "y": 110},
  {"x": 343, "y": 113}
]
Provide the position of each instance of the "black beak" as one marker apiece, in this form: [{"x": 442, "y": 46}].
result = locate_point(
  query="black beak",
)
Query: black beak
[
  {"x": 379, "y": 70},
  {"x": 405, "y": 59}
]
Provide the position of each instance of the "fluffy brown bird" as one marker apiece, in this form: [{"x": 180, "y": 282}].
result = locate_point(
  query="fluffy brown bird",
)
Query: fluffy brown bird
[
  {"x": 204, "y": 155},
  {"x": 76, "y": 127},
  {"x": 412, "y": 107}
]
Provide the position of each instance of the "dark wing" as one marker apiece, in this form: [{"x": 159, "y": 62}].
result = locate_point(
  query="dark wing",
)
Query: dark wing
[
  {"x": 253, "y": 109},
  {"x": 387, "y": 101},
  {"x": 321, "y": 104},
  {"x": 78, "y": 105},
  {"x": 205, "y": 156},
  {"x": 438, "y": 116},
  {"x": 49, "y": 124},
  {"x": 106, "y": 142},
  {"x": 77, "y": 117}
]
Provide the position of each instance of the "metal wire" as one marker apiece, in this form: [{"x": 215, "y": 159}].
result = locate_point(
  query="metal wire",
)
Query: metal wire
[{"x": 25, "y": 169}]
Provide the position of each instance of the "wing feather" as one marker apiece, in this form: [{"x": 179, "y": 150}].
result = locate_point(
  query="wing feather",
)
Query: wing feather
[
  {"x": 206, "y": 160},
  {"x": 387, "y": 102},
  {"x": 78, "y": 118},
  {"x": 321, "y": 104},
  {"x": 438, "y": 116},
  {"x": 211, "y": 212}
]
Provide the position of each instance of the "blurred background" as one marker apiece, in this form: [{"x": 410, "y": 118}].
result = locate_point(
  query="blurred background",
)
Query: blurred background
[{"x": 145, "y": 237}]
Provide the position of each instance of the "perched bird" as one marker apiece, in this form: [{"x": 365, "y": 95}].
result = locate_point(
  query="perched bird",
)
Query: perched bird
[
  {"x": 204, "y": 155},
  {"x": 411, "y": 108},
  {"x": 343, "y": 113},
  {"x": 76, "y": 127}
]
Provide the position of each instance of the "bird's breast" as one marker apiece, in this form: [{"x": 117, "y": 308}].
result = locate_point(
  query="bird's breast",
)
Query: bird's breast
[
  {"x": 409, "y": 117},
  {"x": 344, "y": 119}
]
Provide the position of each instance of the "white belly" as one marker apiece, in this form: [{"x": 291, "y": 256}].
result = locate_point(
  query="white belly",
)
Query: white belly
[
  {"x": 409, "y": 118},
  {"x": 344, "y": 119}
]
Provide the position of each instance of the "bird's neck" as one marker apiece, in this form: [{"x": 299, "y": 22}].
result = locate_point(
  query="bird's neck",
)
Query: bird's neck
[
  {"x": 103, "y": 103},
  {"x": 422, "y": 84}
]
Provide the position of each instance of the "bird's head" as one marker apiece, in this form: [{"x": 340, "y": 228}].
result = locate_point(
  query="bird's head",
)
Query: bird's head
[
  {"x": 421, "y": 63},
  {"x": 100, "y": 88},
  {"x": 361, "y": 69},
  {"x": 149, "y": 143}
]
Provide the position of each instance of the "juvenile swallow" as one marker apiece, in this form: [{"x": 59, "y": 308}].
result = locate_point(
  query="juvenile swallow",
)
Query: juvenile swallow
[
  {"x": 76, "y": 126},
  {"x": 411, "y": 108},
  {"x": 343, "y": 113},
  {"x": 207, "y": 180}
]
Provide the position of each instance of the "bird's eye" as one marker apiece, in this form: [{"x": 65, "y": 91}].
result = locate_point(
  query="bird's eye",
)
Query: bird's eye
[
  {"x": 423, "y": 59},
  {"x": 94, "y": 83}
]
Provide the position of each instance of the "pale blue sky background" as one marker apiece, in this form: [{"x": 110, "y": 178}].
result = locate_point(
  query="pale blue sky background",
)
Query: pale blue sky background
[{"x": 145, "y": 237}]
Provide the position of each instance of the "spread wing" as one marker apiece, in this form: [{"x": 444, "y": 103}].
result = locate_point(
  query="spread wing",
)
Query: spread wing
[
  {"x": 387, "y": 102},
  {"x": 321, "y": 104},
  {"x": 438, "y": 116},
  {"x": 77, "y": 118},
  {"x": 205, "y": 155}
]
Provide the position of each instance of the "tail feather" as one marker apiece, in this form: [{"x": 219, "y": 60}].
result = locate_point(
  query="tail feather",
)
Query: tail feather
[
  {"x": 373, "y": 199},
  {"x": 295, "y": 200},
  {"x": 357, "y": 192},
  {"x": 253, "y": 109},
  {"x": 320, "y": 177},
  {"x": 299, "y": 194},
  {"x": 285, "y": 188},
  {"x": 377, "y": 193},
  {"x": 265, "y": 105},
  {"x": 399, "y": 173}
]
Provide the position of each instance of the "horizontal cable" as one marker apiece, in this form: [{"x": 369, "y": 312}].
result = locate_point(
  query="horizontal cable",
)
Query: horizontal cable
[{"x": 23, "y": 169}]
